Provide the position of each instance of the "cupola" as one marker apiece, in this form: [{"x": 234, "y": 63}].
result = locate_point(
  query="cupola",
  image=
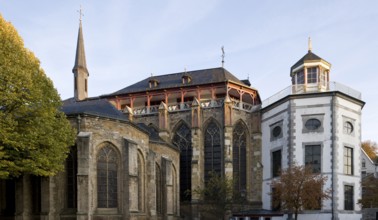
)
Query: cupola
[
  {"x": 310, "y": 73},
  {"x": 186, "y": 79},
  {"x": 153, "y": 82}
]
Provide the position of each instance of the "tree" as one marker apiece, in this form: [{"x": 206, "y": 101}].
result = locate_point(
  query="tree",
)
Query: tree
[
  {"x": 34, "y": 135},
  {"x": 370, "y": 147},
  {"x": 219, "y": 197},
  {"x": 369, "y": 197},
  {"x": 298, "y": 188}
]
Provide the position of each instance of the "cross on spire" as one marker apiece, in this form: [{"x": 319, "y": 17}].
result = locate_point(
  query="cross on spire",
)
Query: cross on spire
[
  {"x": 223, "y": 55},
  {"x": 80, "y": 13},
  {"x": 309, "y": 44}
]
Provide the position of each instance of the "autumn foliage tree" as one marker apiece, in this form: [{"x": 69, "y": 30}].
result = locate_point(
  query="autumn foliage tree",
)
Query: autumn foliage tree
[
  {"x": 298, "y": 188},
  {"x": 34, "y": 135},
  {"x": 369, "y": 197},
  {"x": 370, "y": 147}
]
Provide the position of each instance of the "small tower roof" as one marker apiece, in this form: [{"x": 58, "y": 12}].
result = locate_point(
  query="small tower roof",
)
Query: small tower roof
[
  {"x": 80, "y": 61},
  {"x": 310, "y": 57}
]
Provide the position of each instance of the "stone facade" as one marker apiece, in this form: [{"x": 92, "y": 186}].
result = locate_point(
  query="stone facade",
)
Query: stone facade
[{"x": 146, "y": 178}]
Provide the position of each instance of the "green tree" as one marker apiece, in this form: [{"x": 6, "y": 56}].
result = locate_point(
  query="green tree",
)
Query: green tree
[
  {"x": 370, "y": 147},
  {"x": 299, "y": 188},
  {"x": 369, "y": 198},
  {"x": 34, "y": 135},
  {"x": 218, "y": 197}
]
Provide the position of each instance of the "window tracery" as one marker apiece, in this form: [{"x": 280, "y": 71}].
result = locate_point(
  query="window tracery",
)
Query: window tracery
[
  {"x": 107, "y": 175},
  {"x": 213, "y": 152},
  {"x": 239, "y": 157},
  {"x": 182, "y": 139}
]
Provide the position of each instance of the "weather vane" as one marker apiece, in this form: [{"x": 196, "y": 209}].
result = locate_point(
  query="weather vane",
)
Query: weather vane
[
  {"x": 80, "y": 13},
  {"x": 223, "y": 55}
]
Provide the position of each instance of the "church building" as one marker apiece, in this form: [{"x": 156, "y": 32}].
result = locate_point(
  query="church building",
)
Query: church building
[{"x": 142, "y": 151}]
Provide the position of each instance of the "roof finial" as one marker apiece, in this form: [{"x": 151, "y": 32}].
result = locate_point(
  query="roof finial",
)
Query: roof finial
[
  {"x": 223, "y": 55},
  {"x": 309, "y": 44},
  {"x": 80, "y": 13}
]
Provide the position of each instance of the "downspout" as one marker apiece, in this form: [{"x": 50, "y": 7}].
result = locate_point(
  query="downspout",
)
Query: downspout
[{"x": 333, "y": 154}]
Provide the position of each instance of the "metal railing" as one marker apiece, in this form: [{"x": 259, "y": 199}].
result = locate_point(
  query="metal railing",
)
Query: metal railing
[{"x": 311, "y": 88}]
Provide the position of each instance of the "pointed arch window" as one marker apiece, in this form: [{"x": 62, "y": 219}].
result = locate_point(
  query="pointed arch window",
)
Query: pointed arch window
[
  {"x": 239, "y": 157},
  {"x": 159, "y": 190},
  {"x": 71, "y": 168},
  {"x": 140, "y": 182},
  {"x": 213, "y": 152},
  {"x": 182, "y": 139},
  {"x": 107, "y": 177}
]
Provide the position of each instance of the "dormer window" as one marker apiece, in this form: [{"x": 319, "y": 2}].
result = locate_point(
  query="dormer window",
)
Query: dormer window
[
  {"x": 186, "y": 79},
  {"x": 153, "y": 83}
]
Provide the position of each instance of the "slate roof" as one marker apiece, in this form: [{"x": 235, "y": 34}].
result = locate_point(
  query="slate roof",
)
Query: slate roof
[
  {"x": 310, "y": 56},
  {"x": 94, "y": 106},
  {"x": 198, "y": 77}
]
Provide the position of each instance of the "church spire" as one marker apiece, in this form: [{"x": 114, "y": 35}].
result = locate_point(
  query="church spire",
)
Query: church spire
[{"x": 80, "y": 70}]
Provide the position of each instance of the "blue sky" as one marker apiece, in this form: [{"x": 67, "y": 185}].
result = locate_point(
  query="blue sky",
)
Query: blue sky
[{"x": 126, "y": 41}]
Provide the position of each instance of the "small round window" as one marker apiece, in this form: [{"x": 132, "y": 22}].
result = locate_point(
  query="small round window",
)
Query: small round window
[
  {"x": 276, "y": 131},
  {"x": 348, "y": 127},
  {"x": 312, "y": 124}
]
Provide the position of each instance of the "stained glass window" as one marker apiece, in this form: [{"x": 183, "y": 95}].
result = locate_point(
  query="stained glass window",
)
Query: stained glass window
[
  {"x": 213, "y": 152},
  {"x": 239, "y": 157},
  {"x": 107, "y": 170},
  {"x": 182, "y": 139}
]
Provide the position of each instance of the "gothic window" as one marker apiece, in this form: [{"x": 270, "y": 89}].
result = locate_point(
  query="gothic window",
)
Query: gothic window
[
  {"x": 71, "y": 168},
  {"x": 159, "y": 201},
  {"x": 36, "y": 205},
  {"x": 107, "y": 176},
  {"x": 140, "y": 182},
  {"x": 213, "y": 152},
  {"x": 174, "y": 189},
  {"x": 182, "y": 139},
  {"x": 239, "y": 157}
]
